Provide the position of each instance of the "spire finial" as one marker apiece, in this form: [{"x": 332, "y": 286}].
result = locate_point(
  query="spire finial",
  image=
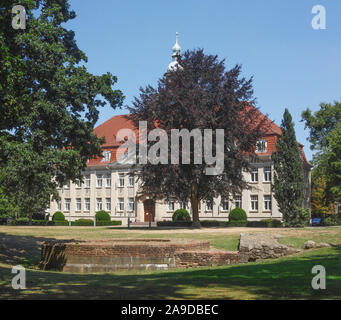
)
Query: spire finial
[
  {"x": 177, "y": 48},
  {"x": 176, "y": 55}
]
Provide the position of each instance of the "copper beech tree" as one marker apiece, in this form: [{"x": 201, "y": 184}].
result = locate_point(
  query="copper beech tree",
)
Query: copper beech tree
[{"x": 199, "y": 95}]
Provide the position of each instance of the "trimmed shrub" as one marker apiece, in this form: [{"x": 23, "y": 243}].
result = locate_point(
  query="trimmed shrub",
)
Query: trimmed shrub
[
  {"x": 237, "y": 223},
  {"x": 58, "y": 216},
  {"x": 174, "y": 223},
  {"x": 237, "y": 214},
  {"x": 102, "y": 216},
  {"x": 181, "y": 215}
]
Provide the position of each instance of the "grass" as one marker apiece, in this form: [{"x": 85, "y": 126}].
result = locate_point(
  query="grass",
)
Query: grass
[{"x": 285, "y": 278}]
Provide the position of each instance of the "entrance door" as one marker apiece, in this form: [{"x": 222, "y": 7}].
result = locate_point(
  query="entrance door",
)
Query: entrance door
[{"x": 149, "y": 210}]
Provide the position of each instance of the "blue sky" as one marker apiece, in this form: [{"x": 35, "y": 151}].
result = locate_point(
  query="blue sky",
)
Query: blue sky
[{"x": 294, "y": 66}]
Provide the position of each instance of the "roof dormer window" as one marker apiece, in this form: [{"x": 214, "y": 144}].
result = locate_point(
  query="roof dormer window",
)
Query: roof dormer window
[
  {"x": 261, "y": 146},
  {"x": 106, "y": 156}
]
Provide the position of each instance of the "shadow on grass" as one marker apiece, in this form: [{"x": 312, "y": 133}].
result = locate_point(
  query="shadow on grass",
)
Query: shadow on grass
[
  {"x": 286, "y": 278},
  {"x": 24, "y": 250}
]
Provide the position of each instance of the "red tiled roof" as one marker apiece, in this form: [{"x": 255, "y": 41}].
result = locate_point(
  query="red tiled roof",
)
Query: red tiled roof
[{"x": 109, "y": 130}]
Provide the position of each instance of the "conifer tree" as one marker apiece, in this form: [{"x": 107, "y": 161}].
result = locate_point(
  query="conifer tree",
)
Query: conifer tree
[{"x": 288, "y": 183}]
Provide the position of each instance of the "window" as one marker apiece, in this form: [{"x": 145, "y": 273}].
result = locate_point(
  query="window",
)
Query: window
[
  {"x": 59, "y": 205},
  {"x": 131, "y": 181},
  {"x": 267, "y": 203},
  {"x": 238, "y": 201},
  {"x": 261, "y": 146},
  {"x": 67, "y": 204},
  {"x": 120, "y": 204},
  {"x": 87, "y": 181},
  {"x": 106, "y": 156},
  {"x": 78, "y": 204},
  {"x": 224, "y": 204},
  {"x": 182, "y": 205},
  {"x": 67, "y": 186},
  {"x": 87, "y": 204},
  {"x": 171, "y": 205},
  {"x": 78, "y": 184},
  {"x": 108, "y": 204},
  {"x": 254, "y": 203},
  {"x": 131, "y": 204},
  {"x": 98, "y": 204},
  {"x": 99, "y": 181},
  {"x": 108, "y": 180},
  {"x": 121, "y": 180},
  {"x": 267, "y": 174},
  {"x": 254, "y": 174},
  {"x": 209, "y": 205}
]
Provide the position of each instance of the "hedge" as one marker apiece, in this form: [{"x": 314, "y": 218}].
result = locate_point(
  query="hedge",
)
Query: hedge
[
  {"x": 238, "y": 223},
  {"x": 213, "y": 223},
  {"x": 108, "y": 223},
  {"x": 265, "y": 223},
  {"x": 82, "y": 223},
  {"x": 77, "y": 223},
  {"x": 25, "y": 222},
  {"x": 174, "y": 223},
  {"x": 89, "y": 222},
  {"x": 60, "y": 223}
]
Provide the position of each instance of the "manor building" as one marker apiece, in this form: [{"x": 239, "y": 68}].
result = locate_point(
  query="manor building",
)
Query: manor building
[{"x": 112, "y": 186}]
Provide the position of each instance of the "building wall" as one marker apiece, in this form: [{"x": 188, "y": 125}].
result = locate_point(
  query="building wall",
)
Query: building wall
[{"x": 260, "y": 188}]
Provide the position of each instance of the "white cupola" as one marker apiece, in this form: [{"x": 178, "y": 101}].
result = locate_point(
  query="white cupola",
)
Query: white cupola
[{"x": 174, "y": 65}]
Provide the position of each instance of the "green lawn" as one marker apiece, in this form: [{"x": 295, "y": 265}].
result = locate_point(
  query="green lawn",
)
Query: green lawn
[{"x": 285, "y": 278}]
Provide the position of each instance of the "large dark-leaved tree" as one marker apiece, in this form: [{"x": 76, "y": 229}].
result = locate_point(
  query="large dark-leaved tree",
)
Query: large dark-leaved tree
[
  {"x": 288, "y": 185},
  {"x": 48, "y": 103},
  {"x": 200, "y": 95}
]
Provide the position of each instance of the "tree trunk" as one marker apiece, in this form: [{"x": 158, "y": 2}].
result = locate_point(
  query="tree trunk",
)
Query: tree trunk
[
  {"x": 30, "y": 218},
  {"x": 195, "y": 206}
]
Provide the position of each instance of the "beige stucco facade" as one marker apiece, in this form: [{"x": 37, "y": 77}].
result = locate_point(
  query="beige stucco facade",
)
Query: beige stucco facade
[{"x": 82, "y": 202}]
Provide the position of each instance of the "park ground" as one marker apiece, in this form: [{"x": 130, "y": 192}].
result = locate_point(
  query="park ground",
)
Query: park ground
[{"x": 284, "y": 278}]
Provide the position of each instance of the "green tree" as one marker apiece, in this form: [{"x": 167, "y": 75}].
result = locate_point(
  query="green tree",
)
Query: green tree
[
  {"x": 331, "y": 160},
  {"x": 324, "y": 126},
  {"x": 200, "y": 95},
  {"x": 7, "y": 207},
  {"x": 288, "y": 173},
  {"x": 320, "y": 206},
  {"x": 49, "y": 104},
  {"x": 322, "y": 123}
]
